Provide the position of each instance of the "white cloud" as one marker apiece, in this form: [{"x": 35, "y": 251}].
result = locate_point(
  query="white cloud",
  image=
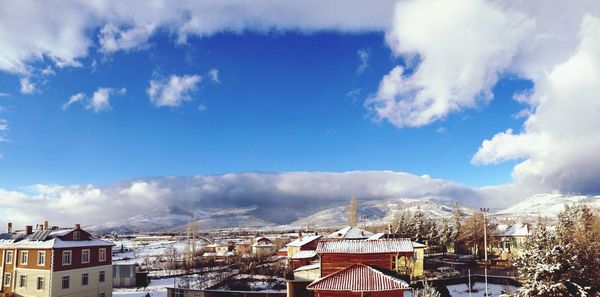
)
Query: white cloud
[
  {"x": 202, "y": 107},
  {"x": 4, "y": 94},
  {"x": 462, "y": 47},
  {"x": 213, "y": 73},
  {"x": 560, "y": 140},
  {"x": 100, "y": 100},
  {"x": 113, "y": 39},
  {"x": 27, "y": 87},
  {"x": 363, "y": 56},
  {"x": 174, "y": 91},
  {"x": 74, "y": 99},
  {"x": 60, "y": 33},
  {"x": 3, "y": 129}
]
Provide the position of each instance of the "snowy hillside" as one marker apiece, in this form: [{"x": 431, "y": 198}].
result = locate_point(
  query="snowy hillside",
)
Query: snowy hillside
[
  {"x": 381, "y": 211},
  {"x": 548, "y": 204}
]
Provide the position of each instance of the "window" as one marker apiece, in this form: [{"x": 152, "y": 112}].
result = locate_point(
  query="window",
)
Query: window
[
  {"x": 9, "y": 257},
  {"x": 66, "y": 257},
  {"x": 101, "y": 277},
  {"x": 41, "y": 259},
  {"x": 7, "y": 280},
  {"x": 85, "y": 256},
  {"x": 24, "y": 257},
  {"x": 76, "y": 235},
  {"x": 102, "y": 295},
  {"x": 102, "y": 254},
  {"x": 416, "y": 256},
  {"x": 85, "y": 279},
  {"x": 178, "y": 293},
  {"x": 66, "y": 282},
  {"x": 23, "y": 281},
  {"x": 40, "y": 283}
]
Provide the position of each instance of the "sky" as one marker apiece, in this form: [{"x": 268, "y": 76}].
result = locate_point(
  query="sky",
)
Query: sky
[{"x": 97, "y": 97}]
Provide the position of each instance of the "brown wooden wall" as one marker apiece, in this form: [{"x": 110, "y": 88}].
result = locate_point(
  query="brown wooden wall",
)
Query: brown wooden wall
[
  {"x": 76, "y": 258},
  {"x": 32, "y": 260},
  {"x": 331, "y": 263},
  {"x": 311, "y": 246}
]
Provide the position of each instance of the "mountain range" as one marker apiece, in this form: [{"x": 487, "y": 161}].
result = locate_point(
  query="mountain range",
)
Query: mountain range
[{"x": 382, "y": 211}]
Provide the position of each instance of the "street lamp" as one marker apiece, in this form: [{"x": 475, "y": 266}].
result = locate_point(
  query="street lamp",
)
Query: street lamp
[{"x": 485, "y": 211}]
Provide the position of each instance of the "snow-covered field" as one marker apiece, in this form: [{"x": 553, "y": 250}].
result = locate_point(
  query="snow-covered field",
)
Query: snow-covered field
[
  {"x": 495, "y": 290},
  {"x": 157, "y": 288}
]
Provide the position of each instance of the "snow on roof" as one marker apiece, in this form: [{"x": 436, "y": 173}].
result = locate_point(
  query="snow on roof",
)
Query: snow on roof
[
  {"x": 263, "y": 245},
  {"x": 514, "y": 230},
  {"x": 418, "y": 245},
  {"x": 396, "y": 245},
  {"x": 304, "y": 240},
  {"x": 308, "y": 267},
  {"x": 304, "y": 255},
  {"x": 376, "y": 236},
  {"x": 54, "y": 243},
  {"x": 350, "y": 233},
  {"x": 358, "y": 278}
]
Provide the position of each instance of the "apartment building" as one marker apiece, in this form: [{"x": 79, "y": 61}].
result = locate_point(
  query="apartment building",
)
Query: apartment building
[{"x": 54, "y": 262}]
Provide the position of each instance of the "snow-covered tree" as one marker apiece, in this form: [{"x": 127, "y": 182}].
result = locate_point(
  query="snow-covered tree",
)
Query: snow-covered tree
[{"x": 546, "y": 267}]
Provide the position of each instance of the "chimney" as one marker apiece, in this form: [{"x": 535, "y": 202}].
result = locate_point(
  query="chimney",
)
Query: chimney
[
  {"x": 390, "y": 229},
  {"x": 28, "y": 230},
  {"x": 300, "y": 235},
  {"x": 46, "y": 225},
  {"x": 77, "y": 226},
  {"x": 10, "y": 228}
]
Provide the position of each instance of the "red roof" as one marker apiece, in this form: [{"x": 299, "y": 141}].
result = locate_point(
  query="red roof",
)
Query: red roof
[
  {"x": 358, "y": 278},
  {"x": 396, "y": 245}
]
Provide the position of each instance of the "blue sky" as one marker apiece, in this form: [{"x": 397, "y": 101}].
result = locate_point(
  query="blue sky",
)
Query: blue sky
[
  {"x": 496, "y": 102},
  {"x": 285, "y": 101}
]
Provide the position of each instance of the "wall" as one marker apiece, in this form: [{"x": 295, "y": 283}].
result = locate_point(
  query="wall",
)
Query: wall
[
  {"x": 30, "y": 288},
  {"x": 94, "y": 287},
  {"x": 76, "y": 258}
]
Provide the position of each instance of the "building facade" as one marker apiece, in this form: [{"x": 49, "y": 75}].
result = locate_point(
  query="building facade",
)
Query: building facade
[{"x": 55, "y": 262}]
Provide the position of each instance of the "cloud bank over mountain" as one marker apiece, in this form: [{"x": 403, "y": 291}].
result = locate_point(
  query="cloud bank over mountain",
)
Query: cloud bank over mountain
[{"x": 275, "y": 195}]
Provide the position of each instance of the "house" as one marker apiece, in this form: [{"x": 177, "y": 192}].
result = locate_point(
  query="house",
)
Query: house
[
  {"x": 55, "y": 262},
  {"x": 128, "y": 276},
  {"x": 396, "y": 255},
  {"x": 302, "y": 258},
  {"x": 263, "y": 247},
  {"x": 350, "y": 232},
  {"x": 243, "y": 248},
  {"x": 359, "y": 280},
  {"x": 511, "y": 240},
  {"x": 303, "y": 243}
]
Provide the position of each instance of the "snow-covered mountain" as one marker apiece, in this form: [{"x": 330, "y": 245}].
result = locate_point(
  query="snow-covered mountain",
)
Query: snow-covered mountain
[
  {"x": 547, "y": 204},
  {"x": 377, "y": 211},
  {"x": 381, "y": 211}
]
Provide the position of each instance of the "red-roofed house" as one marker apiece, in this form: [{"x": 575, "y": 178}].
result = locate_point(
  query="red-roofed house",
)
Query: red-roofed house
[{"x": 358, "y": 280}]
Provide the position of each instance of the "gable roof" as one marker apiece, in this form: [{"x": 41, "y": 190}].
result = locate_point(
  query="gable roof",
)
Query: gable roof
[
  {"x": 358, "y": 278},
  {"x": 50, "y": 239},
  {"x": 396, "y": 245},
  {"x": 350, "y": 233},
  {"x": 304, "y": 240}
]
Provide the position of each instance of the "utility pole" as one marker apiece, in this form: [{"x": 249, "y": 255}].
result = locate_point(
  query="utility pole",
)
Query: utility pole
[{"x": 485, "y": 211}]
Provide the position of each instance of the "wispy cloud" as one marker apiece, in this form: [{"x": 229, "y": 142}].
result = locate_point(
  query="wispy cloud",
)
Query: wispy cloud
[
  {"x": 27, "y": 87},
  {"x": 173, "y": 91},
  {"x": 363, "y": 56},
  {"x": 214, "y": 75},
  {"x": 100, "y": 100}
]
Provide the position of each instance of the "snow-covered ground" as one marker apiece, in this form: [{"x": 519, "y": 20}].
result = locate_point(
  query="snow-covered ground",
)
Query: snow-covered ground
[
  {"x": 495, "y": 290},
  {"x": 156, "y": 288}
]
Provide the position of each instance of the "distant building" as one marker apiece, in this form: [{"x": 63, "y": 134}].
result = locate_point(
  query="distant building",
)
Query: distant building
[
  {"x": 128, "y": 276},
  {"x": 55, "y": 262},
  {"x": 303, "y": 243},
  {"x": 243, "y": 248},
  {"x": 511, "y": 240},
  {"x": 263, "y": 247}
]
